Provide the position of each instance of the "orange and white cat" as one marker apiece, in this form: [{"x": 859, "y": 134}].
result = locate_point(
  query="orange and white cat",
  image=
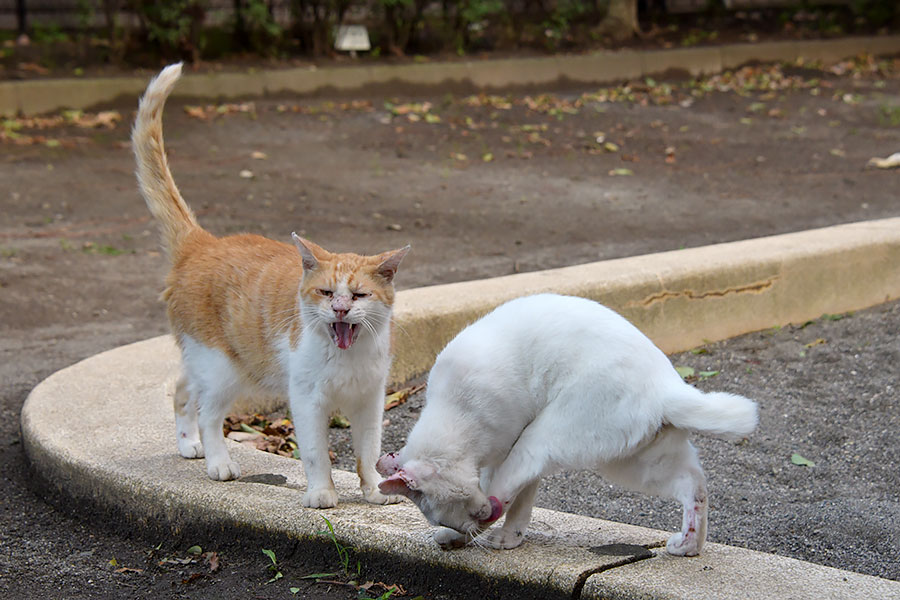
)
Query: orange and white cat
[{"x": 252, "y": 315}]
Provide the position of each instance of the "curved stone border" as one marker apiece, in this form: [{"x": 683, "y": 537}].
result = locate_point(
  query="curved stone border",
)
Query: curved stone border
[
  {"x": 683, "y": 298},
  {"x": 45, "y": 95},
  {"x": 100, "y": 431}
]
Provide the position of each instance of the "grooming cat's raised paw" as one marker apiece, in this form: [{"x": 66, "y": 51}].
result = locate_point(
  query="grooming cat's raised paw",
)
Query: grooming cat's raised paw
[
  {"x": 223, "y": 471},
  {"x": 190, "y": 448},
  {"x": 373, "y": 496},
  {"x": 320, "y": 498},
  {"x": 681, "y": 545},
  {"x": 449, "y": 539},
  {"x": 504, "y": 539}
]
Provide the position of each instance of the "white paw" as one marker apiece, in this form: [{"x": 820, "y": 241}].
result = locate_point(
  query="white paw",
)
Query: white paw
[
  {"x": 373, "y": 496},
  {"x": 504, "y": 539},
  {"x": 223, "y": 471},
  {"x": 679, "y": 545},
  {"x": 448, "y": 539},
  {"x": 190, "y": 448},
  {"x": 320, "y": 498}
]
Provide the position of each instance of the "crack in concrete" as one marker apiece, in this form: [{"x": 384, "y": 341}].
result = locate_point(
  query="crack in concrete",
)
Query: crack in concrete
[
  {"x": 631, "y": 553},
  {"x": 752, "y": 288}
]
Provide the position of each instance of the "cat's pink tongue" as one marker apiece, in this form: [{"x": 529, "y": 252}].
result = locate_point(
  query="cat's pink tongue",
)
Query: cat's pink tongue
[
  {"x": 496, "y": 510},
  {"x": 344, "y": 333}
]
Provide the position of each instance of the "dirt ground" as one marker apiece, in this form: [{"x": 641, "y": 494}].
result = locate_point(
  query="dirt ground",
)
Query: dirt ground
[{"x": 480, "y": 187}]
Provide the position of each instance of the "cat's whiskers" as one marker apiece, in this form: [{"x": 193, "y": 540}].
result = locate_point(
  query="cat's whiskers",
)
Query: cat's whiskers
[
  {"x": 285, "y": 323},
  {"x": 368, "y": 326},
  {"x": 380, "y": 320},
  {"x": 400, "y": 327},
  {"x": 479, "y": 539},
  {"x": 309, "y": 319}
]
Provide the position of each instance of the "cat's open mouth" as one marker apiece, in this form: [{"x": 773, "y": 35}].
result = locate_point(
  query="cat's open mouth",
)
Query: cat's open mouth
[{"x": 343, "y": 334}]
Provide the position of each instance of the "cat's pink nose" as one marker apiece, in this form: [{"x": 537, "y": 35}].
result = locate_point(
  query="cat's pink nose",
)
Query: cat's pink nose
[{"x": 341, "y": 306}]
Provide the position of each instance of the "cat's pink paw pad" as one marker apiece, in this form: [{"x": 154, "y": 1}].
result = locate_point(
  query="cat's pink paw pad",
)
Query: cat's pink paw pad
[
  {"x": 321, "y": 498},
  {"x": 223, "y": 471}
]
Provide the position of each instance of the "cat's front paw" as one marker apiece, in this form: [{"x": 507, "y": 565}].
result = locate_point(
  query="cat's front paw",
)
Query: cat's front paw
[
  {"x": 320, "y": 498},
  {"x": 190, "y": 448},
  {"x": 223, "y": 471},
  {"x": 449, "y": 539},
  {"x": 503, "y": 539},
  {"x": 373, "y": 496},
  {"x": 683, "y": 545}
]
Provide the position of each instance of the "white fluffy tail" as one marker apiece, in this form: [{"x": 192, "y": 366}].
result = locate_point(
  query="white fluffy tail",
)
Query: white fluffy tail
[
  {"x": 174, "y": 216},
  {"x": 716, "y": 413}
]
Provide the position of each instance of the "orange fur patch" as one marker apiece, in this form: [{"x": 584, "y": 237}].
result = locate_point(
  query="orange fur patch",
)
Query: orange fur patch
[{"x": 239, "y": 294}]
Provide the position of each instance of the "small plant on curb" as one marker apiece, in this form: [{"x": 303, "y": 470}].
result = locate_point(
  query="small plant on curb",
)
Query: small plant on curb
[
  {"x": 344, "y": 557},
  {"x": 342, "y": 551}
]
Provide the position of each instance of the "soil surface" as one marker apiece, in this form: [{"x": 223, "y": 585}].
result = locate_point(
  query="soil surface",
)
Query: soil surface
[{"x": 480, "y": 186}]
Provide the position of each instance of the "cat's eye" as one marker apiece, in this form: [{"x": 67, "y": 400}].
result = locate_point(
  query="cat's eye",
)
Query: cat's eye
[
  {"x": 358, "y": 295},
  {"x": 326, "y": 293}
]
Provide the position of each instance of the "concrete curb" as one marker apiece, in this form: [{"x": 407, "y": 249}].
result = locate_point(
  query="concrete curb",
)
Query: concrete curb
[
  {"x": 683, "y": 298},
  {"x": 46, "y": 95},
  {"x": 100, "y": 430}
]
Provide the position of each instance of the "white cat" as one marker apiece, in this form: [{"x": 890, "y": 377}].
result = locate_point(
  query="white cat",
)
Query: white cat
[{"x": 546, "y": 383}]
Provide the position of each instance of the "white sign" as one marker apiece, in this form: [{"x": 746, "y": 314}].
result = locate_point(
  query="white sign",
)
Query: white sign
[{"x": 351, "y": 38}]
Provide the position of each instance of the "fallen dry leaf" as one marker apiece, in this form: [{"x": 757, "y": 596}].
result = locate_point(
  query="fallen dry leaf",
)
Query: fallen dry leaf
[
  {"x": 196, "y": 112},
  {"x": 397, "y": 398},
  {"x": 107, "y": 118},
  {"x": 128, "y": 570},
  {"x": 191, "y": 578},
  {"x": 243, "y": 436},
  {"x": 670, "y": 154},
  {"x": 212, "y": 559}
]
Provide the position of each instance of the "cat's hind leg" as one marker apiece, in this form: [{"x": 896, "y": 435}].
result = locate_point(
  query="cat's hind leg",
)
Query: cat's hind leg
[
  {"x": 211, "y": 382},
  {"x": 212, "y": 406},
  {"x": 187, "y": 432},
  {"x": 668, "y": 466}
]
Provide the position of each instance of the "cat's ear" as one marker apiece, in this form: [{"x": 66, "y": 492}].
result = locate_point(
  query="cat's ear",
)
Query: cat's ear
[
  {"x": 307, "y": 251},
  {"x": 400, "y": 483},
  {"x": 390, "y": 261},
  {"x": 388, "y": 464}
]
